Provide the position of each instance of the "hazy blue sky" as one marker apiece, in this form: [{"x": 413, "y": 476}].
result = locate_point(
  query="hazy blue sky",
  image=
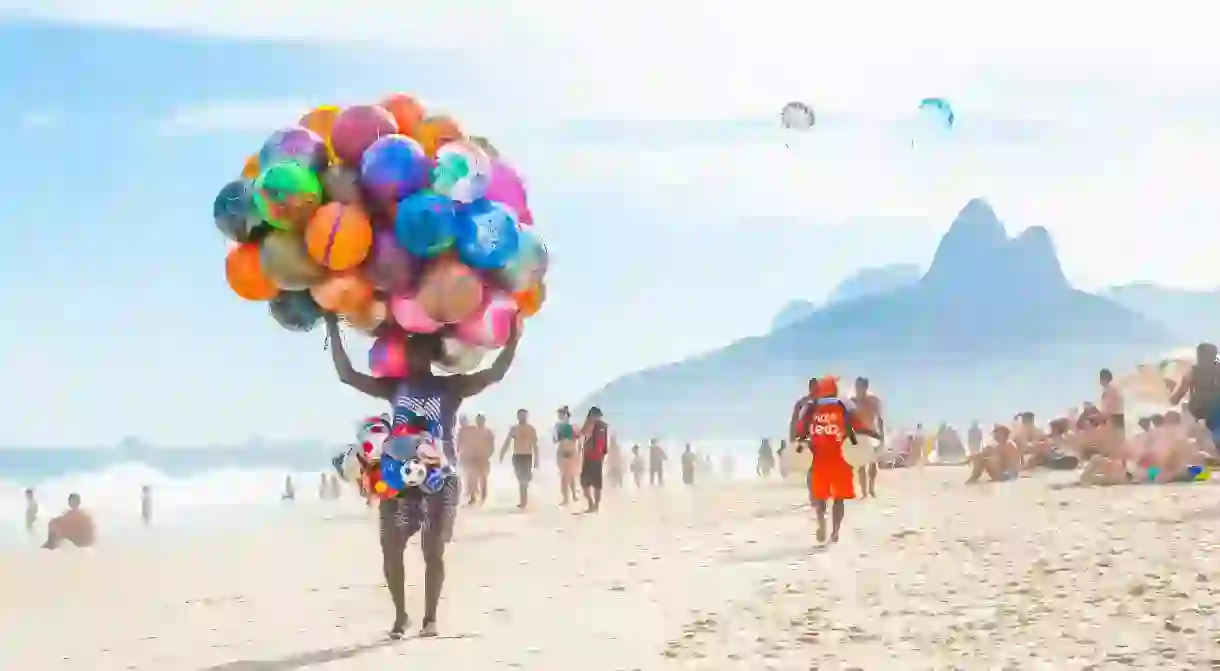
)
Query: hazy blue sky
[{"x": 676, "y": 216}]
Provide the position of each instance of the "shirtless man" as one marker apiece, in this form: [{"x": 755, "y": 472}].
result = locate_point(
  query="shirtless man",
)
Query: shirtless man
[
  {"x": 1030, "y": 439},
  {"x": 1112, "y": 406},
  {"x": 524, "y": 441},
  {"x": 1000, "y": 459},
  {"x": 476, "y": 444},
  {"x": 869, "y": 427}
]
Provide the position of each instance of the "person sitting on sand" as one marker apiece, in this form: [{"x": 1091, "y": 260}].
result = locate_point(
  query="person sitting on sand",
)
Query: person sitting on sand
[
  {"x": 1108, "y": 463},
  {"x": 1183, "y": 455},
  {"x": 1000, "y": 460},
  {"x": 74, "y": 526},
  {"x": 637, "y": 466},
  {"x": 421, "y": 394},
  {"x": 1055, "y": 450}
]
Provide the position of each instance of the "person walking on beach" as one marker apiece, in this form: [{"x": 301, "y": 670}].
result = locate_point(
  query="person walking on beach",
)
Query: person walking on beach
[
  {"x": 870, "y": 432},
  {"x": 146, "y": 504},
  {"x": 567, "y": 455},
  {"x": 31, "y": 511},
  {"x": 523, "y": 439},
  {"x": 826, "y": 424},
  {"x": 766, "y": 460},
  {"x": 614, "y": 463},
  {"x": 637, "y": 466},
  {"x": 596, "y": 435},
  {"x": 437, "y": 399},
  {"x": 689, "y": 460},
  {"x": 74, "y": 526},
  {"x": 1200, "y": 387},
  {"x": 290, "y": 491},
  {"x": 483, "y": 445},
  {"x": 656, "y": 463},
  {"x": 782, "y": 459}
]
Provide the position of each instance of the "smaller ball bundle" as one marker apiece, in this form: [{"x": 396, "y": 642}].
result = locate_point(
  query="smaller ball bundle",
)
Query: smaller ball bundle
[{"x": 394, "y": 219}]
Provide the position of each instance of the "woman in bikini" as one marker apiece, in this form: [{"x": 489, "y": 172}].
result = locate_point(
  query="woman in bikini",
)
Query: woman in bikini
[
  {"x": 436, "y": 399},
  {"x": 567, "y": 456}
]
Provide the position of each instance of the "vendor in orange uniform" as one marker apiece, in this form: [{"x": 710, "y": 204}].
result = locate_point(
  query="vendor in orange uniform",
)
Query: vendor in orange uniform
[{"x": 824, "y": 426}]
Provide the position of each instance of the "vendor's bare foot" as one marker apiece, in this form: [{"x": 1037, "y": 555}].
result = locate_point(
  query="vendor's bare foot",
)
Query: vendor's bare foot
[
  {"x": 821, "y": 532},
  {"x": 428, "y": 630}
]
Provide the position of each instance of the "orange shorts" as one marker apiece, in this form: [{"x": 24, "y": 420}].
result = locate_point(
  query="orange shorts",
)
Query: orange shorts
[{"x": 832, "y": 479}]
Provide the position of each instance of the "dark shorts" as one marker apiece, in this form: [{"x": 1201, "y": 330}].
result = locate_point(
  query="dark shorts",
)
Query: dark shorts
[
  {"x": 523, "y": 468},
  {"x": 591, "y": 473},
  {"x": 433, "y": 514}
]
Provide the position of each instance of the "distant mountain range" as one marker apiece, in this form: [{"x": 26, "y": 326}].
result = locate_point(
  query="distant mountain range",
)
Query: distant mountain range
[
  {"x": 992, "y": 327},
  {"x": 866, "y": 282}
]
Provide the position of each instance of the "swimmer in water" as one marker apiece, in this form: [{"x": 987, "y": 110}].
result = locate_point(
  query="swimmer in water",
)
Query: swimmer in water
[{"x": 420, "y": 393}]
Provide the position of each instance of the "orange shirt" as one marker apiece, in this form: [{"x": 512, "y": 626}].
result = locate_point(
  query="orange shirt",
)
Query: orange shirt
[{"x": 828, "y": 428}]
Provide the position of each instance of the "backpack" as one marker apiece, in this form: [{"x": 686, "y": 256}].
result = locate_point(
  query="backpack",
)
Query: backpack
[{"x": 1204, "y": 390}]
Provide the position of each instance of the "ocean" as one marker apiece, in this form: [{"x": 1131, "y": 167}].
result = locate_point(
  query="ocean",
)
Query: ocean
[{"x": 223, "y": 487}]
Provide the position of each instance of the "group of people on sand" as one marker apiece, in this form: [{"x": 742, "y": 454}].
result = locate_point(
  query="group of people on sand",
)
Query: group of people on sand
[
  {"x": 580, "y": 454},
  {"x": 75, "y": 525},
  {"x": 1178, "y": 445}
]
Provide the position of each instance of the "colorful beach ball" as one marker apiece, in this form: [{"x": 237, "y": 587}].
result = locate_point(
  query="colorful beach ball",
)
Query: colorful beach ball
[
  {"x": 425, "y": 224},
  {"x": 296, "y": 144},
  {"x": 462, "y": 171},
  {"x": 486, "y": 234},
  {"x": 287, "y": 194}
]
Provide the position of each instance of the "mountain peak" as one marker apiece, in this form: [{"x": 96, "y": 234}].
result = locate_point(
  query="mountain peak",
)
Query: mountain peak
[{"x": 976, "y": 253}]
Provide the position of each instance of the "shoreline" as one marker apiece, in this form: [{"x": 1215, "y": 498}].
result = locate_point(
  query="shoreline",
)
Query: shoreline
[{"x": 934, "y": 574}]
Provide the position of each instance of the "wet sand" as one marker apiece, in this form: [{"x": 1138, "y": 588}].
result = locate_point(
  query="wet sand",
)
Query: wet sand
[{"x": 933, "y": 575}]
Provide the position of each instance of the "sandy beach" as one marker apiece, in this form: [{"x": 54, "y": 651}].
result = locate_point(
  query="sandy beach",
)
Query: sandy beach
[{"x": 933, "y": 575}]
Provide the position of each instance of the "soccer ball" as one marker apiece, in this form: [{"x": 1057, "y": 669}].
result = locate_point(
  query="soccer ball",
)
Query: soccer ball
[{"x": 414, "y": 472}]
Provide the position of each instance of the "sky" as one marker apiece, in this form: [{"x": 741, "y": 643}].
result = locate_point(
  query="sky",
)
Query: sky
[{"x": 679, "y": 215}]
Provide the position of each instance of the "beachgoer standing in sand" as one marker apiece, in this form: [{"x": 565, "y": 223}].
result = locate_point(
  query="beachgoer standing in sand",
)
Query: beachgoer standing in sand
[
  {"x": 31, "y": 511},
  {"x": 596, "y": 435},
  {"x": 782, "y": 459},
  {"x": 614, "y": 463},
  {"x": 74, "y": 526},
  {"x": 766, "y": 460},
  {"x": 468, "y": 457},
  {"x": 483, "y": 442},
  {"x": 437, "y": 399},
  {"x": 567, "y": 455},
  {"x": 290, "y": 490},
  {"x": 1112, "y": 406},
  {"x": 637, "y": 466},
  {"x": 146, "y": 503},
  {"x": 870, "y": 428},
  {"x": 974, "y": 439},
  {"x": 826, "y": 425},
  {"x": 656, "y": 463},
  {"x": 688, "y": 465},
  {"x": 524, "y": 441}
]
